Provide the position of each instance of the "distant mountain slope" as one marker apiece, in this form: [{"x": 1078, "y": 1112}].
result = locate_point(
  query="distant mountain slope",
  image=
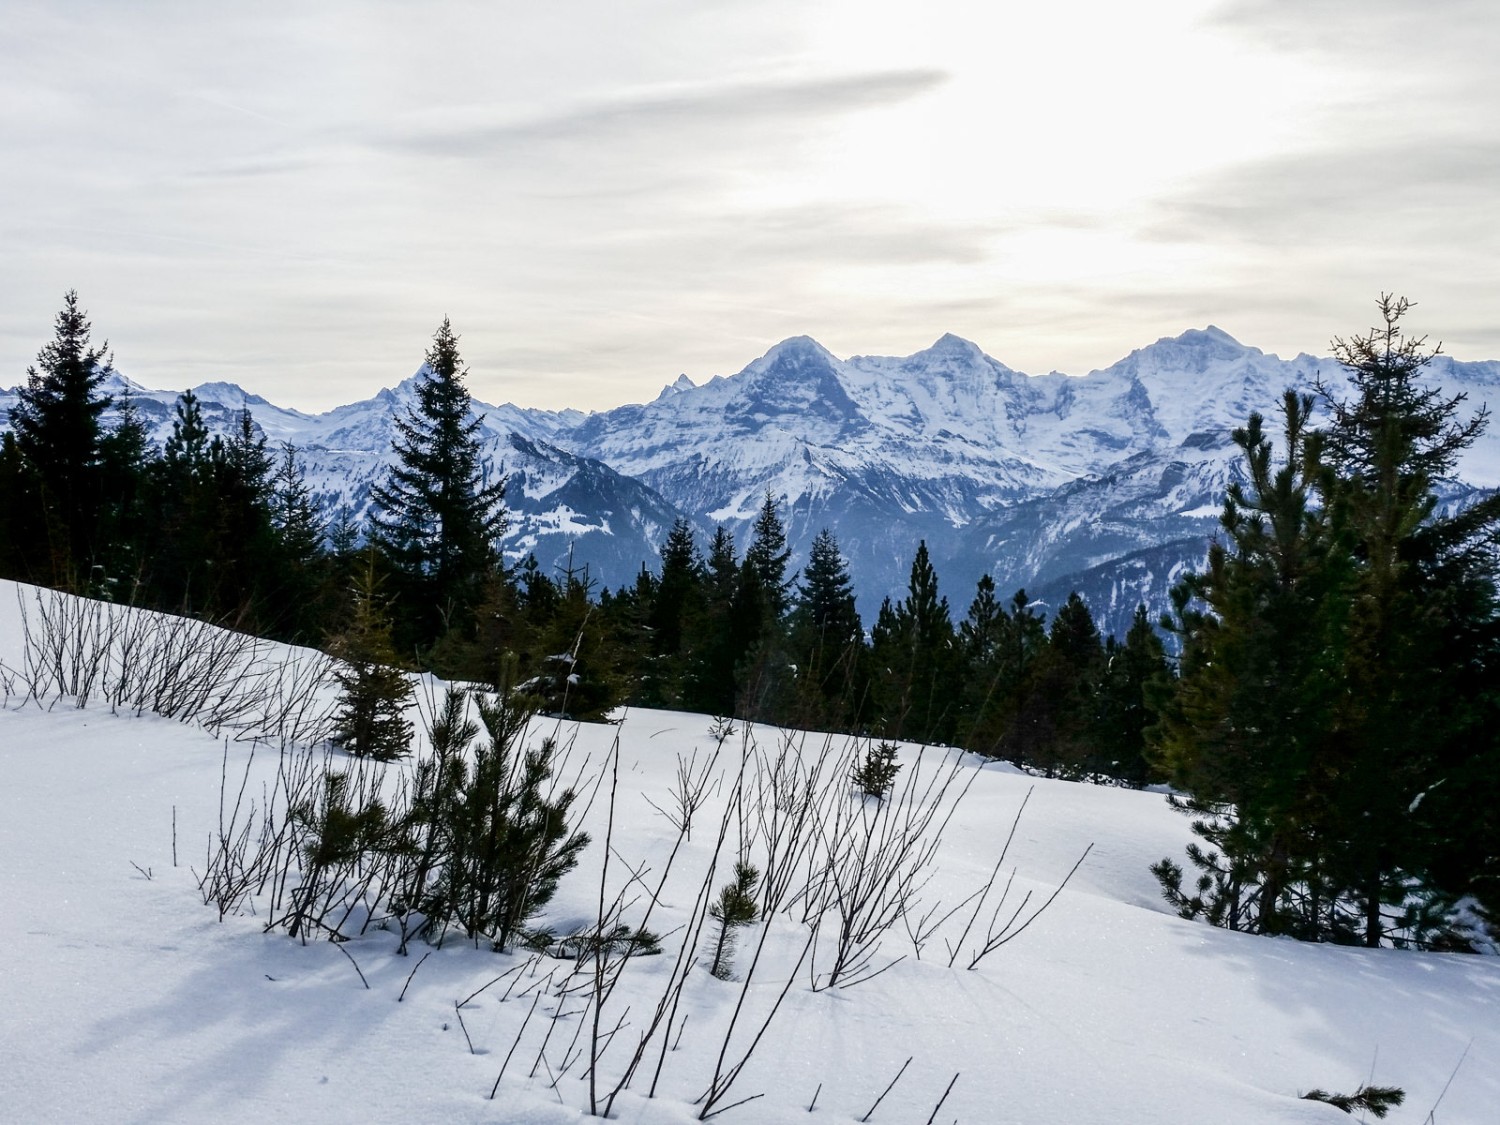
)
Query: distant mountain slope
[{"x": 1112, "y": 480}]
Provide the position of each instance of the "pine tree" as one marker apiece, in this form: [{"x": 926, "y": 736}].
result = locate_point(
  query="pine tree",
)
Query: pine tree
[
  {"x": 1421, "y": 627},
  {"x": 438, "y": 514},
  {"x": 768, "y": 555},
  {"x": 1058, "y": 722},
  {"x": 59, "y": 434},
  {"x": 1134, "y": 671},
  {"x": 1250, "y": 730},
  {"x": 734, "y": 909},
  {"x": 678, "y": 588},
  {"x": 182, "y": 492},
  {"x": 709, "y": 684},
  {"x": 758, "y": 625},
  {"x": 913, "y": 659},
  {"x": 374, "y": 693},
  {"x": 302, "y": 564},
  {"x": 125, "y": 525},
  {"x": 827, "y": 640},
  {"x": 673, "y": 605}
]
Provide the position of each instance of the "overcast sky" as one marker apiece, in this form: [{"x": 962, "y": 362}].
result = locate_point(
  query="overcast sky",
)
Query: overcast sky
[{"x": 603, "y": 194}]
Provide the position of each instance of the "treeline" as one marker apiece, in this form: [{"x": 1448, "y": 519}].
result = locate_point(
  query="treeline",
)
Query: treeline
[
  {"x": 223, "y": 528},
  {"x": 1331, "y": 720}
]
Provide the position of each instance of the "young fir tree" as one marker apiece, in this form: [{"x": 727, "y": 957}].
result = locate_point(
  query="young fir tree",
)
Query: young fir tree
[
  {"x": 59, "y": 434},
  {"x": 1057, "y": 724},
  {"x": 491, "y": 839},
  {"x": 1420, "y": 653},
  {"x": 1134, "y": 671},
  {"x": 1250, "y": 730},
  {"x": 708, "y": 684},
  {"x": 439, "y": 512},
  {"x": 913, "y": 660},
  {"x": 758, "y": 620},
  {"x": 182, "y": 491},
  {"x": 827, "y": 640},
  {"x": 374, "y": 693},
  {"x": 734, "y": 909}
]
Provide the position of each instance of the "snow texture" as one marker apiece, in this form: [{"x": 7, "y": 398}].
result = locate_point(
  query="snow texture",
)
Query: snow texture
[{"x": 124, "y": 999}]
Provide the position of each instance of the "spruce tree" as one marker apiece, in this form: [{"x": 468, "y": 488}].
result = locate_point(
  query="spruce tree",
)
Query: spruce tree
[
  {"x": 1134, "y": 671},
  {"x": 1421, "y": 627},
  {"x": 182, "y": 492},
  {"x": 59, "y": 434},
  {"x": 1250, "y": 731},
  {"x": 374, "y": 693},
  {"x": 708, "y": 684},
  {"x": 673, "y": 603},
  {"x": 1057, "y": 724},
  {"x": 827, "y": 640},
  {"x": 768, "y": 555},
  {"x": 913, "y": 660},
  {"x": 439, "y": 512}
]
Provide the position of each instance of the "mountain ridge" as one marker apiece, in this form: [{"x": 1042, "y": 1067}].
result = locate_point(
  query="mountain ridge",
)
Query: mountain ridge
[{"x": 1032, "y": 478}]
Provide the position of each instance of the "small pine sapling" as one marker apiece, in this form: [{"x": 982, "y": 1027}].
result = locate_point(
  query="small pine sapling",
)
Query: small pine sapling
[
  {"x": 1377, "y": 1101},
  {"x": 875, "y": 773},
  {"x": 373, "y": 694},
  {"x": 735, "y": 908}
]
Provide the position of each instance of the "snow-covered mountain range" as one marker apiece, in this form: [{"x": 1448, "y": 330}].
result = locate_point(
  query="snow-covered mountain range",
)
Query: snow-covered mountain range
[{"x": 1109, "y": 483}]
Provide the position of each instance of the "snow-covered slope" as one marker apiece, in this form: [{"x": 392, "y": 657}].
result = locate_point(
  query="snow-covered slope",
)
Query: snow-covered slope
[{"x": 126, "y": 999}]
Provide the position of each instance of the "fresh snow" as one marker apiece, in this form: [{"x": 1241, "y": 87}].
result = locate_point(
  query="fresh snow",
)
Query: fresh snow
[{"x": 124, "y": 999}]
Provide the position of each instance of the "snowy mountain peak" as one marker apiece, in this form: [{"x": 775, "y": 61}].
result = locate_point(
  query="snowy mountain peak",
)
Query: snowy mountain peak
[
  {"x": 676, "y": 387},
  {"x": 956, "y": 346},
  {"x": 231, "y": 396}
]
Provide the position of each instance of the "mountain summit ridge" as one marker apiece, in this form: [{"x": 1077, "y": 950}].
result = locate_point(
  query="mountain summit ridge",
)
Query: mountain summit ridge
[{"x": 1040, "y": 480}]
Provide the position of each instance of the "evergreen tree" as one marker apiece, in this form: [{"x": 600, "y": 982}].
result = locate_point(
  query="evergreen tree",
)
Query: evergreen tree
[
  {"x": 986, "y": 689},
  {"x": 126, "y": 526},
  {"x": 1058, "y": 723},
  {"x": 302, "y": 563},
  {"x": 673, "y": 604},
  {"x": 438, "y": 515},
  {"x": 709, "y": 684},
  {"x": 827, "y": 640},
  {"x": 1421, "y": 628},
  {"x": 1134, "y": 671},
  {"x": 768, "y": 555},
  {"x": 913, "y": 659},
  {"x": 182, "y": 492},
  {"x": 374, "y": 693},
  {"x": 59, "y": 434},
  {"x": 1335, "y": 711},
  {"x": 1250, "y": 730}
]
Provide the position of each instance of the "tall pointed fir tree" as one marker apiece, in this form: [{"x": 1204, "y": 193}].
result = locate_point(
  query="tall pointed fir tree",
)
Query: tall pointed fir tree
[
  {"x": 182, "y": 494},
  {"x": 827, "y": 641},
  {"x": 1058, "y": 724},
  {"x": 439, "y": 513},
  {"x": 1135, "y": 670},
  {"x": 370, "y": 720},
  {"x": 709, "y": 684},
  {"x": 913, "y": 660},
  {"x": 757, "y": 625},
  {"x": 59, "y": 435},
  {"x": 1420, "y": 664},
  {"x": 676, "y": 602},
  {"x": 1251, "y": 731}
]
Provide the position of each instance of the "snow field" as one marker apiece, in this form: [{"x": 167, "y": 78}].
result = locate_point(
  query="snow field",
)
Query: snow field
[{"x": 123, "y": 998}]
